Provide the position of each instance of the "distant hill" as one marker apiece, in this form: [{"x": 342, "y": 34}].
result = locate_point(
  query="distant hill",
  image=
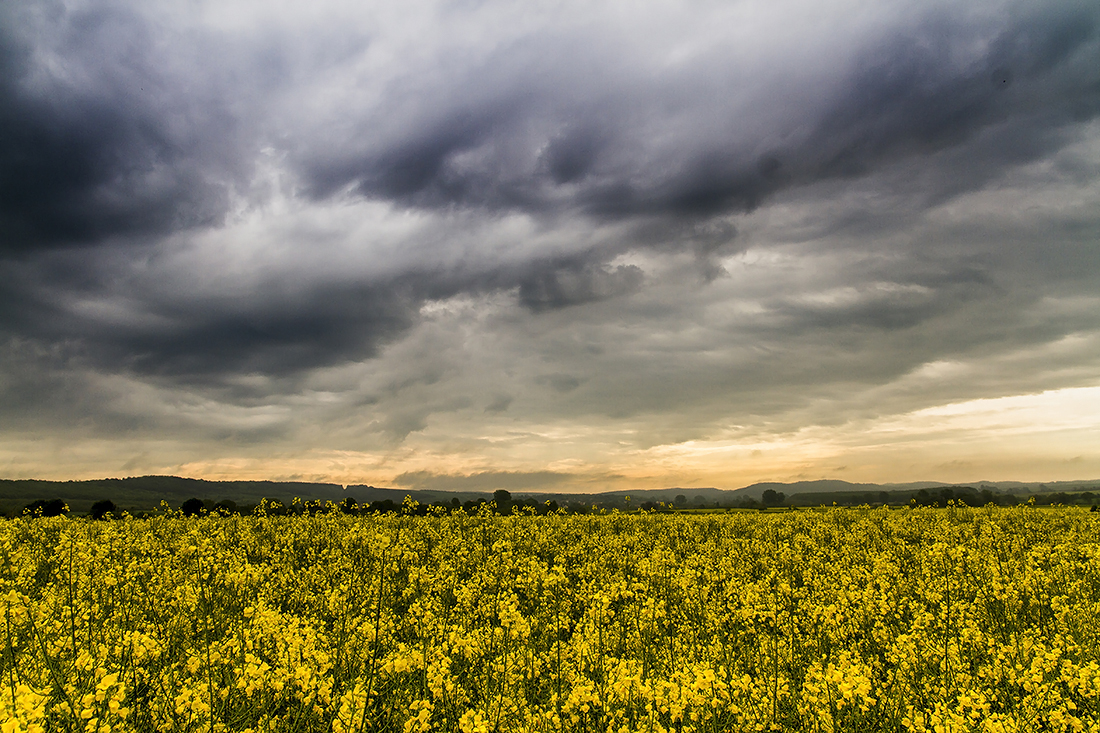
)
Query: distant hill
[{"x": 146, "y": 492}]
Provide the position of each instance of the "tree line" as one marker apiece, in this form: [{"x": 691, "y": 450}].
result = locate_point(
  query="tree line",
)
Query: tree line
[{"x": 503, "y": 502}]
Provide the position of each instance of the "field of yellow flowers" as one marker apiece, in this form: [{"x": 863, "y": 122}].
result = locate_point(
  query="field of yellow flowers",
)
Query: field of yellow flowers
[{"x": 835, "y": 620}]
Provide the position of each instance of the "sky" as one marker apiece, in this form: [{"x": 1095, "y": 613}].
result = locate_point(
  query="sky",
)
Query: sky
[{"x": 550, "y": 245}]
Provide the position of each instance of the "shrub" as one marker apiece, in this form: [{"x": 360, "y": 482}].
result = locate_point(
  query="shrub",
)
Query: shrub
[
  {"x": 104, "y": 509},
  {"x": 43, "y": 508},
  {"x": 193, "y": 508}
]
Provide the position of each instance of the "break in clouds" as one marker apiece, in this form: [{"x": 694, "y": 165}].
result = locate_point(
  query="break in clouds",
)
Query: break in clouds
[{"x": 540, "y": 244}]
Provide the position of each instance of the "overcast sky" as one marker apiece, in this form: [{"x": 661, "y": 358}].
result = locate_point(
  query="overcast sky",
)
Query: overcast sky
[{"x": 550, "y": 245}]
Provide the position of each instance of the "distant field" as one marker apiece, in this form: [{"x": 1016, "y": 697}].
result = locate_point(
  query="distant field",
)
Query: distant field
[{"x": 830, "y": 620}]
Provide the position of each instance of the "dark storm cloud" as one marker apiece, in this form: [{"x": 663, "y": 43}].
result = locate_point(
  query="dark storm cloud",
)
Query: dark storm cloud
[
  {"x": 550, "y": 138},
  {"x": 289, "y": 334},
  {"x": 907, "y": 97},
  {"x": 100, "y": 141},
  {"x": 571, "y": 155},
  {"x": 267, "y": 329},
  {"x": 139, "y": 133},
  {"x": 117, "y": 126},
  {"x": 101, "y": 310}
]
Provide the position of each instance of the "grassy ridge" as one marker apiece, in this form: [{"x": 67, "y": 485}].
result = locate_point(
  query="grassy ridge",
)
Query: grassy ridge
[{"x": 146, "y": 492}]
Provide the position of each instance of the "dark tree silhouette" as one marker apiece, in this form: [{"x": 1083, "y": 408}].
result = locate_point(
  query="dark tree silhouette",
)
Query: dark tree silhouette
[
  {"x": 773, "y": 498},
  {"x": 382, "y": 506},
  {"x": 503, "y": 501},
  {"x": 193, "y": 508},
  {"x": 43, "y": 508},
  {"x": 349, "y": 506},
  {"x": 101, "y": 509}
]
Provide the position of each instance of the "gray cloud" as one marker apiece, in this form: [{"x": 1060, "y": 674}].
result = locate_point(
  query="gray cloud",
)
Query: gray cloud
[
  {"x": 481, "y": 481},
  {"x": 360, "y": 229},
  {"x": 499, "y": 403},
  {"x": 266, "y": 328},
  {"x": 577, "y": 283},
  {"x": 536, "y": 131},
  {"x": 99, "y": 142}
]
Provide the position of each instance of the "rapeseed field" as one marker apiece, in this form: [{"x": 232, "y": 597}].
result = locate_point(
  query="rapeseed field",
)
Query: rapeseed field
[{"x": 863, "y": 619}]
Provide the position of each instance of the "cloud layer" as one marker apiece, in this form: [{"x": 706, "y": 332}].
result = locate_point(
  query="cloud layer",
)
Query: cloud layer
[{"x": 520, "y": 239}]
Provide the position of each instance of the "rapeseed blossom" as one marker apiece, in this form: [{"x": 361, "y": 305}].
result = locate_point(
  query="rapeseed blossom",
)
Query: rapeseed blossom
[{"x": 836, "y": 620}]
